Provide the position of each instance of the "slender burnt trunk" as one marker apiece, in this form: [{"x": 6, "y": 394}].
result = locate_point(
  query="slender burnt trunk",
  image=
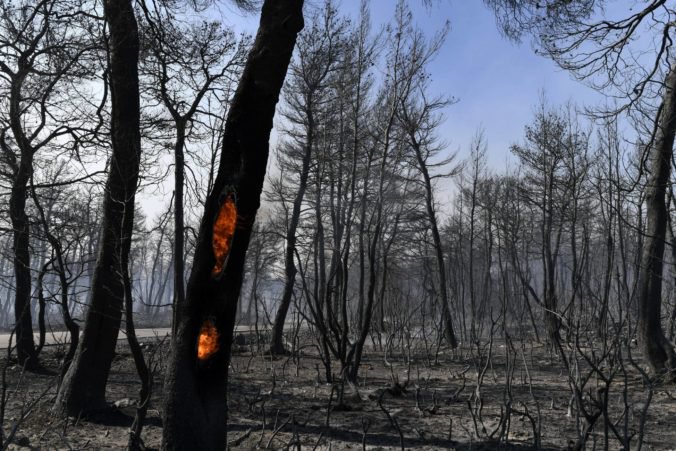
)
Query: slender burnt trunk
[
  {"x": 422, "y": 154},
  {"x": 84, "y": 384},
  {"x": 549, "y": 257},
  {"x": 277, "y": 340},
  {"x": 71, "y": 325},
  {"x": 449, "y": 334},
  {"x": 362, "y": 244},
  {"x": 353, "y": 358},
  {"x": 470, "y": 264},
  {"x": 42, "y": 304},
  {"x": 135, "y": 443},
  {"x": 179, "y": 245},
  {"x": 195, "y": 401},
  {"x": 657, "y": 350}
]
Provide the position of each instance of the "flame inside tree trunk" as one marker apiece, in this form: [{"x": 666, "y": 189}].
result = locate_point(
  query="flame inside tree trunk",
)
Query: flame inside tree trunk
[{"x": 195, "y": 401}]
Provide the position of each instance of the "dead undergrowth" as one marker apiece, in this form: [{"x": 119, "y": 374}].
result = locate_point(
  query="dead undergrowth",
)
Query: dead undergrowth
[{"x": 464, "y": 402}]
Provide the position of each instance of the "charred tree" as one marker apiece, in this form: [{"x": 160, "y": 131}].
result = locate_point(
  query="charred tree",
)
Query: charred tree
[
  {"x": 319, "y": 52},
  {"x": 195, "y": 401},
  {"x": 42, "y": 51},
  {"x": 658, "y": 352},
  {"x": 182, "y": 82},
  {"x": 277, "y": 338},
  {"x": 84, "y": 384},
  {"x": 25, "y": 347},
  {"x": 419, "y": 124},
  {"x": 59, "y": 262},
  {"x": 19, "y": 157}
]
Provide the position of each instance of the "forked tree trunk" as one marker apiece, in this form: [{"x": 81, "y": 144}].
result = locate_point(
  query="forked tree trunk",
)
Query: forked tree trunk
[
  {"x": 195, "y": 400},
  {"x": 657, "y": 350},
  {"x": 25, "y": 346},
  {"x": 84, "y": 384}
]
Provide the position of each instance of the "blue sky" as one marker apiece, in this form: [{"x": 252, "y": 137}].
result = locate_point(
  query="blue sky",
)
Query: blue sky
[{"x": 497, "y": 82}]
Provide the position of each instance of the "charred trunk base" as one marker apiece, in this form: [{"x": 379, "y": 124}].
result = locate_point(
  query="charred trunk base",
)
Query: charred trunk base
[
  {"x": 277, "y": 340},
  {"x": 660, "y": 356},
  {"x": 195, "y": 409},
  {"x": 449, "y": 335},
  {"x": 553, "y": 324}
]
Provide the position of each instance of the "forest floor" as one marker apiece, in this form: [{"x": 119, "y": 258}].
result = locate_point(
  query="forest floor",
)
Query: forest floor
[{"x": 284, "y": 404}]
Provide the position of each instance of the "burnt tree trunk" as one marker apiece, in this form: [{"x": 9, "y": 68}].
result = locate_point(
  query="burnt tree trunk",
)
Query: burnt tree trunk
[
  {"x": 23, "y": 171},
  {"x": 25, "y": 346},
  {"x": 449, "y": 333},
  {"x": 42, "y": 306},
  {"x": 84, "y": 384},
  {"x": 656, "y": 348},
  {"x": 135, "y": 442},
  {"x": 179, "y": 233},
  {"x": 277, "y": 339},
  {"x": 58, "y": 257},
  {"x": 195, "y": 401}
]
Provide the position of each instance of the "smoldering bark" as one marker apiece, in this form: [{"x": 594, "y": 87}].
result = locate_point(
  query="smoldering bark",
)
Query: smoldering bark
[
  {"x": 656, "y": 348},
  {"x": 195, "y": 401},
  {"x": 84, "y": 384}
]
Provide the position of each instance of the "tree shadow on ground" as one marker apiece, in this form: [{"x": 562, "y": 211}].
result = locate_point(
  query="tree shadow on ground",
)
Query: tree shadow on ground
[
  {"x": 118, "y": 417},
  {"x": 392, "y": 440}
]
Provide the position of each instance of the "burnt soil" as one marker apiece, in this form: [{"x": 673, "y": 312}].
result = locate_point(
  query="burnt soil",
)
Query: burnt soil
[{"x": 283, "y": 403}]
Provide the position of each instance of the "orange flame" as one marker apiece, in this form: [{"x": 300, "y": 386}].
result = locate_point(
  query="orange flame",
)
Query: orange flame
[
  {"x": 223, "y": 231},
  {"x": 207, "y": 344}
]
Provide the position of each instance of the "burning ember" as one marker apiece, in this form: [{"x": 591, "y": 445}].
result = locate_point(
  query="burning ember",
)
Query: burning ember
[
  {"x": 223, "y": 231},
  {"x": 207, "y": 345}
]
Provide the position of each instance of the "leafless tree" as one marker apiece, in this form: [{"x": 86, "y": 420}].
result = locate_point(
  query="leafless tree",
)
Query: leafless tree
[
  {"x": 603, "y": 51},
  {"x": 321, "y": 48},
  {"x": 195, "y": 402},
  {"x": 83, "y": 387},
  {"x": 45, "y": 47},
  {"x": 185, "y": 64}
]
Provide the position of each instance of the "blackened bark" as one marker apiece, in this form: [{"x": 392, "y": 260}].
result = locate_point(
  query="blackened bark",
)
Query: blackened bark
[
  {"x": 84, "y": 384},
  {"x": 195, "y": 401},
  {"x": 135, "y": 442},
  {"x": 25, "y": 346},
  {"x": 179, "y": 245},
  {"x": 42, "y": 328},
  {"x": 549, "y": 258},
  {"x": 449, "y": 334},
  {"x": 71, "y": 325},
  {"x": 657, "y": 350}
]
